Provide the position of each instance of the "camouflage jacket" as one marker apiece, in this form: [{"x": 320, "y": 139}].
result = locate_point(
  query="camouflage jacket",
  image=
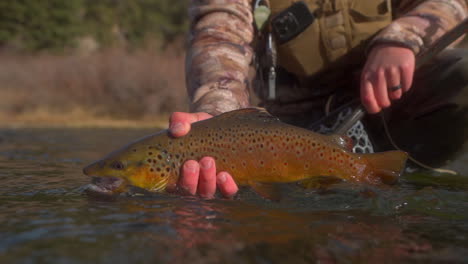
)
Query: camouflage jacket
[{"x": 220, "y": 44}]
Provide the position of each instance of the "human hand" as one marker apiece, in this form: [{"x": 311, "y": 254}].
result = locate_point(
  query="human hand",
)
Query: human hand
[
  {"x": 388, "y": 74},
  {"x": 200, "y": 177}
]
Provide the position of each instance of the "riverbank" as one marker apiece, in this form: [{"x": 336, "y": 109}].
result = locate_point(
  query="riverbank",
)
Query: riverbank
[
  {"x": 112, "y": 87},
  {"x": 78, "y": 118}
]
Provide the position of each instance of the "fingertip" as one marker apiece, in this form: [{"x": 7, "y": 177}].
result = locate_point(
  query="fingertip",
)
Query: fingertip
[
  {"x": 385, "y": 102},
  {"x": 207, "y": 179},
  {"x": 179, "y": 129},
  {"x": 371, "y": 109},
  {"x": 407, "y": 75},
  {"x": 226, "y": 184},
  {"x": 207, "y": 163},
  {"x": 189, "y": 176},
  {"x": 368, "y": 98}
]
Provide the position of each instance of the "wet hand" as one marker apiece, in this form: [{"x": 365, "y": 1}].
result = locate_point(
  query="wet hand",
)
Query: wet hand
[
  {"x": 200, "y": 177},
  {"x": 388, "y": 74}
]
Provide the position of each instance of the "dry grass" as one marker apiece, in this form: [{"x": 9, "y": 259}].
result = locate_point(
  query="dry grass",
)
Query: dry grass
[{"x": 107, "y": 85}]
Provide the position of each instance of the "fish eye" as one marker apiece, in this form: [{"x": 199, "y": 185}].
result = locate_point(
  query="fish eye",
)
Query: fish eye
[{"x": 118, "y": 165}]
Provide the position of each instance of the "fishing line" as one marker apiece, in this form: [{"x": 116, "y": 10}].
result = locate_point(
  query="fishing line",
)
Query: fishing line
[
  {"x": 330, "y": 114},
  {"x": 389, "y": 136}
]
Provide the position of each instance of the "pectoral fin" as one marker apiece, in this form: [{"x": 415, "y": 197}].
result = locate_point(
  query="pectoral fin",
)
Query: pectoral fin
[{"x": 267, "y": 190}]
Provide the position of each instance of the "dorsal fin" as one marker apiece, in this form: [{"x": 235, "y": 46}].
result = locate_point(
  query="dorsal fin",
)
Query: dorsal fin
[{"x": 248, "y": 113}]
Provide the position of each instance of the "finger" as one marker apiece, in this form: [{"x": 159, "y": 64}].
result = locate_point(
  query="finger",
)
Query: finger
[
  {"x": 380, "y": 90},
  {"x": 207, "y": 180},
  {"x": 392, "y": 75},
  {"x": 179, "y": 122},
  {"x": 226, "y": 184},
  {"x": 189, "y": 177},
  {"x": 407, "y": 74},
  {"x": 367, "y": 96}
]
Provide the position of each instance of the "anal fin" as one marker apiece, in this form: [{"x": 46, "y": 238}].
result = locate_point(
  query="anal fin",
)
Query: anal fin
[
  {"x": 320, "y": 182},
  {"x": 267, "y": 190}
]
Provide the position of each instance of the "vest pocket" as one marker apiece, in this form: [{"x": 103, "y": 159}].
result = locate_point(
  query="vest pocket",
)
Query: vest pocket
[
  {"x": 303, "y": 55},
  {"x": 339, "y": 27},
  {"x": 367, "y": 17}
]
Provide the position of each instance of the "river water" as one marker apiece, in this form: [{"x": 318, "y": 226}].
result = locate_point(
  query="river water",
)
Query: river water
[{"x": 46, "y": 218}]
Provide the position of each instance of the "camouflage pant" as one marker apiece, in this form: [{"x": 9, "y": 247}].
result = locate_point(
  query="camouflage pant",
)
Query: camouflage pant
[{"x": 430, "y": 121}]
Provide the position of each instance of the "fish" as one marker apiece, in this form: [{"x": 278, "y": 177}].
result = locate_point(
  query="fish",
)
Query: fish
[{"x": 252, "y": 145}]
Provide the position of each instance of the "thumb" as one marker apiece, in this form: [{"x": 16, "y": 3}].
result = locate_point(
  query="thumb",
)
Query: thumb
[{"x": 180, "y": 122}]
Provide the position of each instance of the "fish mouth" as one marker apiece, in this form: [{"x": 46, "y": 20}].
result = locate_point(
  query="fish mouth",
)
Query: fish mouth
[{"x": 106, "y": 185}]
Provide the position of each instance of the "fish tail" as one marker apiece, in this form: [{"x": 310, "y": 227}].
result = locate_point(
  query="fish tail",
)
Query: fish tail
[{"x": 387, "y": 166}]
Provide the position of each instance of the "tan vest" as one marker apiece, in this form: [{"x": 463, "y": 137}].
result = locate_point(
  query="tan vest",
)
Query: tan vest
[{"x": 339, "y": 27}]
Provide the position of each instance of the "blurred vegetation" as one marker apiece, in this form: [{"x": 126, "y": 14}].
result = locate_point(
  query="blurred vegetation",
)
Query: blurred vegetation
[
  {"x": 57, "y": 25},
  {"x": 79, "y": 59}
]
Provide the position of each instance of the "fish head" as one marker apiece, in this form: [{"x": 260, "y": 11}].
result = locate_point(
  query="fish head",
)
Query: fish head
[{"x": 130, "y": 167}]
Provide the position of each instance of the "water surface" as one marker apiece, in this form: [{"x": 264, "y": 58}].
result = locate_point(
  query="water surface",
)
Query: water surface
[{"x": 46, "y": 218}]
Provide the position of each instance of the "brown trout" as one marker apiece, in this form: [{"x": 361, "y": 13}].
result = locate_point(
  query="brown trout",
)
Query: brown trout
[{"x": 255, "y": 147}]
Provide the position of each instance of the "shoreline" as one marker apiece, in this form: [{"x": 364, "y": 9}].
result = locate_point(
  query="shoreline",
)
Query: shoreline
[{"x": 78, "y": 120}]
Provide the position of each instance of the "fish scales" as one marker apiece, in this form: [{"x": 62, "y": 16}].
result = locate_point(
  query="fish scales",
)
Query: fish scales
[
  {"x": 270, "y": 151},
  {"x": 251, "y": 145}
]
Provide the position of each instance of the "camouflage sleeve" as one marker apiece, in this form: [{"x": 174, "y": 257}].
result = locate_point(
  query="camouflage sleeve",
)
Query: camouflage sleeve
[
  {"x": 219, "y": 54},
  {"x": 420, "y": 23}
]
